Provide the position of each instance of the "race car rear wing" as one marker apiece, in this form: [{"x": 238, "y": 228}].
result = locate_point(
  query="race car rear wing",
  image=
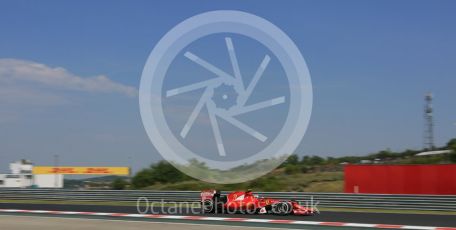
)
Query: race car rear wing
[{"x": 208, "y": 194}]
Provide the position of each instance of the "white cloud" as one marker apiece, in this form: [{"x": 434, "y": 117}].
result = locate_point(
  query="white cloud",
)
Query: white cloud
[
  {"x": 27, "y": 87},
  {"x": 14, "y": 72},
  {"x": 22, "y": 95}
]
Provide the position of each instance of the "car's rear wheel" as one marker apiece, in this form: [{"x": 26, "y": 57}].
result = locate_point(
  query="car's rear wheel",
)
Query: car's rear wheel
[
  {"x": 214, "y": 205},
  {"x": 207, "y": 206},
  {"x": 282, "y": 208}
]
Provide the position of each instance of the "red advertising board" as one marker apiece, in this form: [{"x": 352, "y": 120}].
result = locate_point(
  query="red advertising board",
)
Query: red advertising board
[{"x": 401, "y": 179}]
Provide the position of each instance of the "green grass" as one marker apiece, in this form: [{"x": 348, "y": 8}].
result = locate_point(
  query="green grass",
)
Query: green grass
[{"x": 326, "y": 186}]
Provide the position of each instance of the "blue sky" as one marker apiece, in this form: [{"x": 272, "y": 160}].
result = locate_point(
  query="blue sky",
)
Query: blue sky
[{"x": 371, "y": 63}]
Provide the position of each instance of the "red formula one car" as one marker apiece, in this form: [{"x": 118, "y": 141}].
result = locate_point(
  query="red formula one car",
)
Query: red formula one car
[{"x": 246, "y": 202}]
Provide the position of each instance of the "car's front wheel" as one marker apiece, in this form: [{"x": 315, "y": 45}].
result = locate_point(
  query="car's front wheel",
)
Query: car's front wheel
[{"x": 207, "y": 206}]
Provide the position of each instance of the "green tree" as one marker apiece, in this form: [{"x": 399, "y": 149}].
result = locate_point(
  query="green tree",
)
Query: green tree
[
  {"x": 384, "y": 154},
  {"x": 164, "y": 172},
  {"x": 331, "y": 160},
  {"x": 316, "y": 160},
  {"x": 161, "y": 172},
  {"x": 305, "y": 160},
  {"x": 292, "y": 169},
  {"x": 408, "y": 153},
  {"x": 453, "y": 157},
  {"x": 292, "y": 160},
  {"x": 452, "y": 144},
  {"x": 143, "y": 178},
  {"x": 119, "y": 184}
]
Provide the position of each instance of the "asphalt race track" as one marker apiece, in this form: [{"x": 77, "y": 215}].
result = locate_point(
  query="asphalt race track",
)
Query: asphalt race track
[
  {"x": 326, "y": 216},
  {"x": 31, "y": 223}
]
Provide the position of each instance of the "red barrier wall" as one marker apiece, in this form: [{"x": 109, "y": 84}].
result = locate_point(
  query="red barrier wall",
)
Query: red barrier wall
[{"x": 401, "y": 179}]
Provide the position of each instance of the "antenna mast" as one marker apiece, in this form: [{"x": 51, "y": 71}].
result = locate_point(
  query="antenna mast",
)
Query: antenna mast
[{"x": 429, "y": 123}]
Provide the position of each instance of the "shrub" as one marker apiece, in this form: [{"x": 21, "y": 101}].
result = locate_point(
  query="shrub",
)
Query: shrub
[{"x": 119, "y": 184}]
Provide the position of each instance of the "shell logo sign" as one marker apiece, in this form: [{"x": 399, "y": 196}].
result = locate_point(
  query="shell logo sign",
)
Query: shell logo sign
[{"x": 81, "y": 170}]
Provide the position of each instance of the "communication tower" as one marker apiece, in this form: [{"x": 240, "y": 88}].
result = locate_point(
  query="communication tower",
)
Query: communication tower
[{"x": 428, "y": 123}]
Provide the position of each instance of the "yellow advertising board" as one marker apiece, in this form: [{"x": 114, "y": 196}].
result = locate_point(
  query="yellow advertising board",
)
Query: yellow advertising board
[{"x": 81, "y": 170}]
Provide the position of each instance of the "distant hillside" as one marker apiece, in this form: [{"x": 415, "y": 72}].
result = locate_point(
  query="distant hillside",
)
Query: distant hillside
[
  {"x": 80, "y": 183},
  {"x": 307, "y": 173},
  {"x": 275, "y": 181},
  {"x": 104, "y": 178},
  {"x": 303, "y": 174}
]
